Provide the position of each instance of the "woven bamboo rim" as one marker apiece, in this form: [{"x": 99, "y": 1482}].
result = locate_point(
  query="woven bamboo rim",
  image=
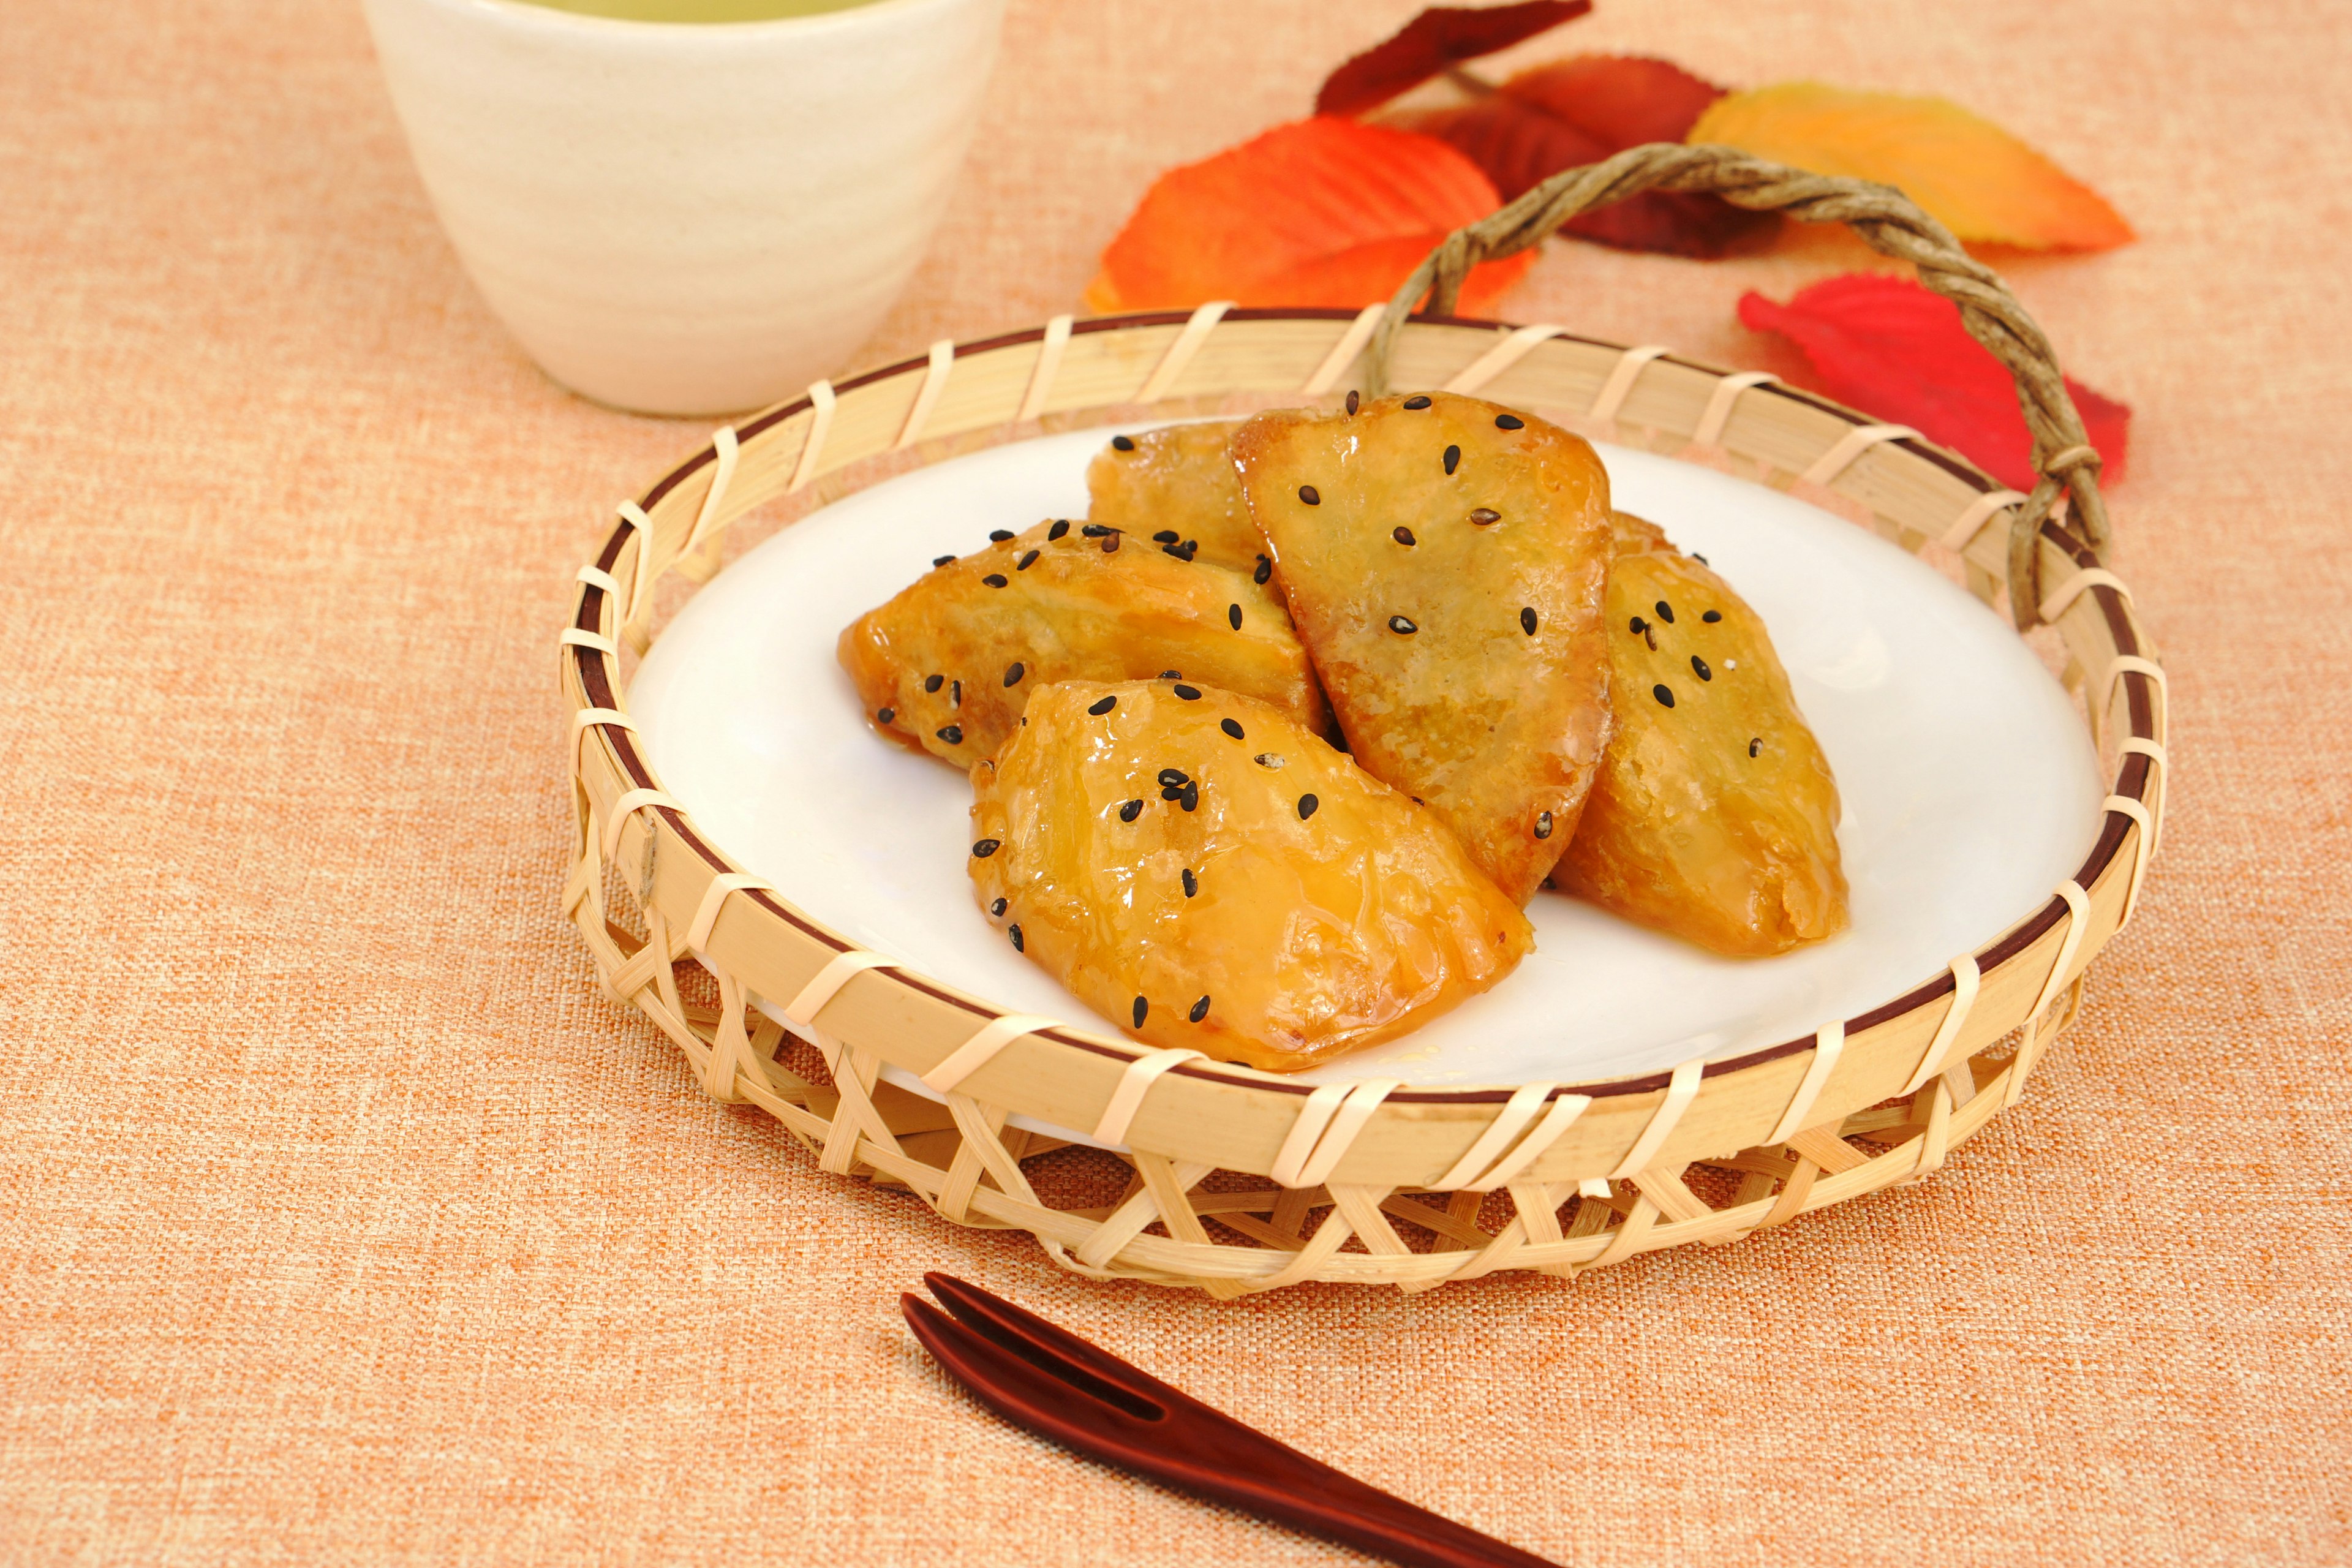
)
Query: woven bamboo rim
[{"x": 1239, "y": 1181}]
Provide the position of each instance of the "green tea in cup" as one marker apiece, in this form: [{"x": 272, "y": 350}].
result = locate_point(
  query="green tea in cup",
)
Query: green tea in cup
[{"x": 698, "y": 10}]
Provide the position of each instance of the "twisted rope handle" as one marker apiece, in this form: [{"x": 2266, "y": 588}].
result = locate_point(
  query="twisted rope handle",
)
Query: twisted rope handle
[{"x": 1887, "y": 220}]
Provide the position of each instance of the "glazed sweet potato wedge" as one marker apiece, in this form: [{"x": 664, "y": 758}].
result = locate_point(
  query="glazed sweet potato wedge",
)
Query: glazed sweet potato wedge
[
  {"x": 1715, "y": 816},
  {"x": 1176, "y": 487},
  {"x": 948, "y": 666},
  {"x": 1207, "y": 871},
  {"x": 1444, "y": 560}
]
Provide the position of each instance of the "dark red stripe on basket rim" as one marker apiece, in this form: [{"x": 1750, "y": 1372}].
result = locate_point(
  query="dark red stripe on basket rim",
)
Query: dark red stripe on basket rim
[{"x": 2131, "y": 779}]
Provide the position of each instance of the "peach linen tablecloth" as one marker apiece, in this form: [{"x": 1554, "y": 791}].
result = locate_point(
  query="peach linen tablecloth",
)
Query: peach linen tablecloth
[{"x": 342, "y": 1221}]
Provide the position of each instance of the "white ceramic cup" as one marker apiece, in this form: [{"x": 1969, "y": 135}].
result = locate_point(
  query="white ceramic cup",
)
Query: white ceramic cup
[{"x": 687, "y": 217}]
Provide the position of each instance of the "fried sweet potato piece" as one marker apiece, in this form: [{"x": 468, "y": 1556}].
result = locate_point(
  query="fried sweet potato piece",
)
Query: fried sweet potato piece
[
  {"x": 1207, "y": 871},
  {"x": 1715, "y": 816},
  {"x": 1178, "y": 481},
  {"x": 1445, "y": 560},
  {"x": 947, "y": 666},
  {"x": 1631, "y": 535}
]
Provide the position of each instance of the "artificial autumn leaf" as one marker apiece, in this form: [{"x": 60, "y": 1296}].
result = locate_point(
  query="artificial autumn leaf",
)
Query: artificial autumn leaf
[
  {"x": 1889, "y": 347},
  {"x": 1982, "y": 183},
  {"x": 1317, "y": 212},
  {"x": 1580, "y": 111},
  {"x": 1440, "y": 37}
]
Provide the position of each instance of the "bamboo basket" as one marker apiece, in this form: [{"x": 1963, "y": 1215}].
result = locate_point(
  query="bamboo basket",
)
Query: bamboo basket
[{"x": 1237, "y": 1181}]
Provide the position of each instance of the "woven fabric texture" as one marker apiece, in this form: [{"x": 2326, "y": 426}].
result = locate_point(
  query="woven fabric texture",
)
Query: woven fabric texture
[{"x": 341, "y": 1221}]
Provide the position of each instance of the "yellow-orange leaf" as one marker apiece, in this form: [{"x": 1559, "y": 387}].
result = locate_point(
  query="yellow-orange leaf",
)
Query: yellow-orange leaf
[
  {"x": 1318, "y": 212},
  {"x": 1981, "y": 181}
]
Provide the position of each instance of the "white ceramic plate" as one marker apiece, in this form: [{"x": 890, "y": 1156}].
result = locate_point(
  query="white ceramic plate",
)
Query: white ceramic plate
[{"x": 1969, "y": 784}]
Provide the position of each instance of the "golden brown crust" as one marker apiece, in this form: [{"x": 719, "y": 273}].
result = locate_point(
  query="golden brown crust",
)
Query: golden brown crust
[
  {"x": 1178, "y": 481},
  {"x": 1260, "y": 879},
  {"x": 1715, "y": 816},
  {"x": 1631, "y": 535},
  {"x": 954, "y": 658},
  {"x": 1452, "y": 605}
]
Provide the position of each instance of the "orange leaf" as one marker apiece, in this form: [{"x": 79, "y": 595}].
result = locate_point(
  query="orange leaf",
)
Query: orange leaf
[
  {"x": 1981, "y": 181},
  {"x": 1318, "y": 211}
]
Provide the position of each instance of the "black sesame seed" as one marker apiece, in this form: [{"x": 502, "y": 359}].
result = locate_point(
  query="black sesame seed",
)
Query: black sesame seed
[
  {"x": 1097, "y": 531},
  {"x": 1509, "y": 422},
  {"x": 1664, "y": 694},
  {"x": 982, "y": 848},
  {"x": 1416, "y": 403},
  {"x": 1166, "y": 536},
  {"x": 1637, "y": 625},
  {"x": 1308, "y": 494},
  {"x": 1028, "y": 559},
  {"x": 1352, "y": 402},
  {"x": 1061, "y": 527},
  {"x": 1231, "y": 726},
  {"x": 1234, "y": 616},
  {"x": 1665, "y": 612},
  {"x": 1265, "y": 570},
  {"x": 933, "y": 682},
  {"x": 1014, "y": 933},
  {"x": 1484, "y": 515},
  {"x": 1171, "y": 791},
  {"x": 941, "y": 560},
  {"x": 1453, "y": 458},
  {"x": 1189, "y": 694},
  {"x": 1700, "y": 559},
  {"x": 1543, "y": 825},
  {"x": 999, "y": 535},
  {"x": 1142, "y": 1010},
  {"x": 1712, "y": 616},
  {"x": 951, "y": 733},
  {"x": 1527, "y": 620},
  {"x": 1403, "y": 535},
  {"x": 884, "y": 715},
  {"x": 1401, "y": 627},
  {"x": 1201, "y": 1008},
  {"x": 1756, "y": 745},
  {"x": 1172, "y": 675},
  {"x": 1306, "y": 804},
  {"x": 1131, "y": 811},
  {"x": 1123, "y": 443},
  {"x": 1014, "y": 671},
  {"x": 1103, "y": 707},
  {"x": 1190, "y": 799},
  {"x": 997, "y": 909},
  {"x": 1192, "y": 883},
  {"x": 1698, "y": 667},
  {"x": 1174, "y": 778}
]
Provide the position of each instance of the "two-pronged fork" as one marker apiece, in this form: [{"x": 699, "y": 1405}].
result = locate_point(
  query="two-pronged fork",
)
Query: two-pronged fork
[{"x": 1058, "y": 1386}]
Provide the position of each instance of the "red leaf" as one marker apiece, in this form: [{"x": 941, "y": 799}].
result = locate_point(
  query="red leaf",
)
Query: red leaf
[
  {"x": 1889, "y": 347},
  {"x": 1438, "y": 38},
  {"x": 1582, "y": 110},
  {"x": 1318, "y": 211}
]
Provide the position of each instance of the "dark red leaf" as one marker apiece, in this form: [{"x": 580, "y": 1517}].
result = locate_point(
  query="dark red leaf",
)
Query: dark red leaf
[
  {"x": 1582, "y": 110},
  {"x": 1892, "y": 349},
  {"x": 1438, "y": 38}
]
